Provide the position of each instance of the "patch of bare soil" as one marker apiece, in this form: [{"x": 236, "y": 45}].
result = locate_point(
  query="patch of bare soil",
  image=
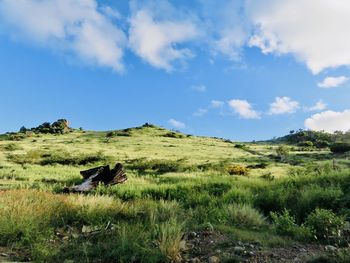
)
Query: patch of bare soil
[
  {"x": 13, "y": 255},
  {"x": 214, "y": 247}
]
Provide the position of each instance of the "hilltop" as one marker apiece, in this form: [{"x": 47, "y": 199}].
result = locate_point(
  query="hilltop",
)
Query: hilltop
[{"x": 186, "y": 198}]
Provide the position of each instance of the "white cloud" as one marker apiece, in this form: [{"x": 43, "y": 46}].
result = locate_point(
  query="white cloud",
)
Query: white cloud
[
  {"x": 319, "y": 106},
  {"x": 177, "y": 124},
  {"x": 332, "y": 82},
  {"x": 157, "y": 41},
  {"x": 283, "y": 105},
  {"x": 76, "y": 26},
  {"x": 200, "y": 112},
  {"x": 244, "y": 109},
  {"x": 199, "y": 88},
  {"x": 329, "y": 121},
  {"x": 315, "y": 31},
  {"x": 217, "y": 104}
]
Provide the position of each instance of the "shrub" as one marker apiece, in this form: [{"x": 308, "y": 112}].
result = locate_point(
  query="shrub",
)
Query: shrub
[
  {"x": 341, "y": 256},
  {"x": 314, "y": 196},
  {"x": 110, "y": 135},
  {"x": 238, "y": 196},
  {"x": 236, "y": 169},
  {"x": 28, "y": 216},
  {"x": 31, "y": 157},
  {"x": 158, "y": 166},
  {"x": 174, "y": 135},
  {"x": 322, "y": 144},
  {"x": 244, "y": 215},
  {"x": 63, "y": 158},
  {"x": 261, "y": 165},
  {"x": 340, "y": 147},
  {"x": 282, "y": 152},
  {"x": 325, "y": 224},
  {"x": 242, "y": 146},
  {"x": 285, "y": 225},
  {"x": 12, "y": 147},
  {"x": 169, "y": 235},
  {"x": 66, "y": 159},
  {"x": 17, "y": 136},
  {"x": 306, "y": 144},
  {"x": 268, "y": 176}
]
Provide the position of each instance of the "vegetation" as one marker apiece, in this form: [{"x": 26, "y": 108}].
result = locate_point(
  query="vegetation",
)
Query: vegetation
[
  {"x": 340, "y": 147},
  {"x": 58, "y": 127},
  {"x": 176, "y": 186}
]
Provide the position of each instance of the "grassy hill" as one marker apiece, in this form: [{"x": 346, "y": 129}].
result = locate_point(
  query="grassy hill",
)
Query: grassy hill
[{"x": 186, "y": 198}]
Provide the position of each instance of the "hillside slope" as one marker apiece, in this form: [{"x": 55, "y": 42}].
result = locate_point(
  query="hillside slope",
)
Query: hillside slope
[{"x": 186, "y": 198}]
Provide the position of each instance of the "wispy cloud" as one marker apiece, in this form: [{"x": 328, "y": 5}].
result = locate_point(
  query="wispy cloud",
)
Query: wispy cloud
[
  {"x": 332, "y": 82},
  {"x": 200, "y": 112},
  {"x": 217, "y": 104},
  {"x": 199, "y": 88},
  {"x": 319, "y": 106},
  {"x": 177, "y": 124}
]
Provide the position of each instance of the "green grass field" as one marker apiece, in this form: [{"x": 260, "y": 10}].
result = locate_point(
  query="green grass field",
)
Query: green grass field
[{"x": 177, "y": 185}]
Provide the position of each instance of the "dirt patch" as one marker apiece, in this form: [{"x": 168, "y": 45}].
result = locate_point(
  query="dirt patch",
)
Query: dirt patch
[
  {"x": 297, "y": 253},
  {"x": 209, "y": 246},
  {"x": 13, "y": 255}
]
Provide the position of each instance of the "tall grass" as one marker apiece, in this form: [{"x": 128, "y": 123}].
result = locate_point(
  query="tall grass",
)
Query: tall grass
[{"x": 244, "y": 215}]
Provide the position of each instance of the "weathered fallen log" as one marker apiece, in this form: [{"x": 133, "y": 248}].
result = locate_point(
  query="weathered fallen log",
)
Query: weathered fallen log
[{"x": 101, "y": 174}]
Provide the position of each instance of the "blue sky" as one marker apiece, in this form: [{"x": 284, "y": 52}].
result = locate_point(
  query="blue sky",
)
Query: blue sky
[{"x": 243, "y": 70}]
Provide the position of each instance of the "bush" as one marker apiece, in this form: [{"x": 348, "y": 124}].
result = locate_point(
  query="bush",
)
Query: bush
[
  {"x": 341, "y": 256},
  {"x": 314, "y": 196},
  {"x": 158, "y": 166},
  {"x": 169, "y": 235},
  {"x": 238, "y": 196},
  {"x": 236, "y": 169},
  {"x": 244, "y": 215},
  {"x": 322, "y": 144},
  {"x": 17, "y": 136},
  {"x": 63, "y": 158},
  {"x": 174, "y": 135},
  {"x": 31, "y": 157},
  {"x": 285, "y": 225},
  {"x": 261, "y": 165},
  {"x": 67, "y": 159},
  {"x": 28, "y": 216},
  {"x": 12, "y": 147},
  {"x": 282, "y": 152},
  {"x": 325, "y": 224},
  {"x": 340, "y": 147},
  {"x": 306, "y": 144}
]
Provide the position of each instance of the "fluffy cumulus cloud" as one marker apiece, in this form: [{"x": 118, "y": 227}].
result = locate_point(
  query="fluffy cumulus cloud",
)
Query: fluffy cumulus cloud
[
  {"x": 177, "y": 124},
  {"x": 283, "y": 105},
  {"x": 332, "y": 82},
  {"x": 329, "y": 121},
  {"x": 166, "y": 36},
  {"x": 314, "y": 30},
  {"x": 76, "y": 26},
  {"x": 319, "y": 106},
  {"x": 244, "y": 109},
  {"x": 156, "y": 33}
]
